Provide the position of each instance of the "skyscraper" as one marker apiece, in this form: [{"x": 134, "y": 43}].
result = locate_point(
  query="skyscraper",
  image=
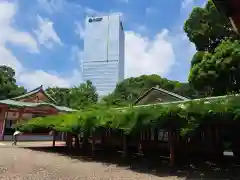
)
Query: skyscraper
[{"x": 103, "y": 61}]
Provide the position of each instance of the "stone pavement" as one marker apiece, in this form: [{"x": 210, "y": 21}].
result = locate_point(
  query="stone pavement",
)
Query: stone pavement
[
  {"x": 25, "y": 164},
  {"x": 31, "y": 143},
  {"x": 2, "y": 144}
]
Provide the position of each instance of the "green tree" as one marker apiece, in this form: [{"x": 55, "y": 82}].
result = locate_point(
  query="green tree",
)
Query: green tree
[
  {"x": 78, "y": 97},
  {"x": 60, "y": 95},
  {"x": 218, "y": 73},
  {"x": 206, "y": 27},
  {"x": 127, "y": 91},
  {"x": 83, "y": 96},
  {"x": 8, "y": 86}
]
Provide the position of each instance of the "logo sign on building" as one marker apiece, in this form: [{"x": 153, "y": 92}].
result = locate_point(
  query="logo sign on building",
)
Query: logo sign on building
[{"x": 95, "y": 19}]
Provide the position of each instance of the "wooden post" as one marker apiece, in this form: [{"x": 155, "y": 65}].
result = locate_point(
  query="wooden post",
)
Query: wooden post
[
  {"x": 20, "y": 116},
  {"x": 85, "y": 139},
  {"x": 103, "y": 135},
  {"x": 69, "y": 140},
  {"x": 140, "y": 143},
  {"x": 124, "y": 145},
  {"x": 171, "y": 146},
  {"x": 3, "y": 117},
  {"x": 54, "y": 138},
  {"x": 93, "y": 142},
  {"x": 218, "y": 139},
  {"x": 76, "y": 137}
]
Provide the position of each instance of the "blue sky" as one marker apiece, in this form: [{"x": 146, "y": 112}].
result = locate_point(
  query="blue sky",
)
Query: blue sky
[{"x": 43, "y": 39}]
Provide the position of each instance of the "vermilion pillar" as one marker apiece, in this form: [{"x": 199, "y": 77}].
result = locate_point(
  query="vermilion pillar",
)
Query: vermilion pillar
[{"x": 2, "y": 121}]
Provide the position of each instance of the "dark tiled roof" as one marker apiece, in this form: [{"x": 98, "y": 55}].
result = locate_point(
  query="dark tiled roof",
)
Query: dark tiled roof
[
  {"x": 19, "y": 104},
  {"x": 161, "y": 91},
  {"x": 34, "y": 91}
]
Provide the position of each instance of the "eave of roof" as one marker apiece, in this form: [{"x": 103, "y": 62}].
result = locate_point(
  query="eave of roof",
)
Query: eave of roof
[
  {"x": 34, "y": 91},
  {"x": 162, "y": 91},
  {"x": 19, "y": 104},
  {"x": 206, "y": 100}
]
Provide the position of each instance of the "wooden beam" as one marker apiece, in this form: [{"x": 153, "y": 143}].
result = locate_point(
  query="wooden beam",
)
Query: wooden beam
[
  {"x": 20, "y": 113},
  {"x": 47, "y": 112}
]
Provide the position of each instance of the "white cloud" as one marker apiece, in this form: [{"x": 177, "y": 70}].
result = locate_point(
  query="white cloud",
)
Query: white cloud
[
  {"x": 141, "y": 28},
  {"x": 145, "y": 56},
  {"x": 151, "y": 10},
  {"x": 76, "y": 54},
  {"x": 9, "y": 34},
  {"x": 59, "y": 6},
  {"x": 32, "y": 79},
  {"x": 52, "y": 6},
  {"x": 123, "y": 1},
  {"x": 8, "y": 59},
  {"x": 93, "y": 12},
  {"x": 46, "y": 34},
  {"x": 15, "y": 37},
  {"x": 186, "y": 3},
  {"x": 79, "y": 30}
]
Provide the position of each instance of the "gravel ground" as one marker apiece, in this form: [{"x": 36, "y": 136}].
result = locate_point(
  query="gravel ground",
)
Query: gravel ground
[{"x": 24, "y": 164}]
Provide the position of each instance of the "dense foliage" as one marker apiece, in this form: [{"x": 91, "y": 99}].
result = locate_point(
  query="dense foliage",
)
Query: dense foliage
[
  {"x": 221, "y": 66},
  {"x": 130, "y": 89},
  {"x": 218, "y": 56},
  {"x": 206, "y": 27},
  {"x": 8, "y": 86},
  {"x": 185, "y": 116},
  {"x": 78, "y": 97}
]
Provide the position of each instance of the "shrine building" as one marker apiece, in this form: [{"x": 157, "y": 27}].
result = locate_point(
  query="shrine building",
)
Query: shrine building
[{"x": 35, "y": 103}]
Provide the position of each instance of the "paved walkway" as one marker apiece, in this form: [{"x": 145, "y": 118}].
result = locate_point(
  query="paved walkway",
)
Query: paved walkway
[
  {"x": 24, "y": 164},
  {"x": 31, "y": 143}
]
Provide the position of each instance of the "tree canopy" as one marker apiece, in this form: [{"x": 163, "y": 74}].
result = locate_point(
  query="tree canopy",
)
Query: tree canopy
[
  {"x": 130, "y": 89},
  {"x": 206, "y": 27},
  {"x": 187, "y": 117},
  {"x": 8, "y": 86},
  {"x": 78, "y": 97},
  {"x": 215, "y": 66},
  {"x": 219, "y": 71}
]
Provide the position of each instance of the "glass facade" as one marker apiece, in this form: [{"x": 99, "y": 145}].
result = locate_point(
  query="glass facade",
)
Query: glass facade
[{"x": 103, "y": 61}]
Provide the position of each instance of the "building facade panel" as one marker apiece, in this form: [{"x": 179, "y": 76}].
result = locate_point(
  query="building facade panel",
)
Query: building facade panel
[{"x": 103, "y": 61}]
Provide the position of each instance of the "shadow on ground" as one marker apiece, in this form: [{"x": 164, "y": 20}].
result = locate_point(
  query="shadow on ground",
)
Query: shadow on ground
[{"x": 194, "y": 168}]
